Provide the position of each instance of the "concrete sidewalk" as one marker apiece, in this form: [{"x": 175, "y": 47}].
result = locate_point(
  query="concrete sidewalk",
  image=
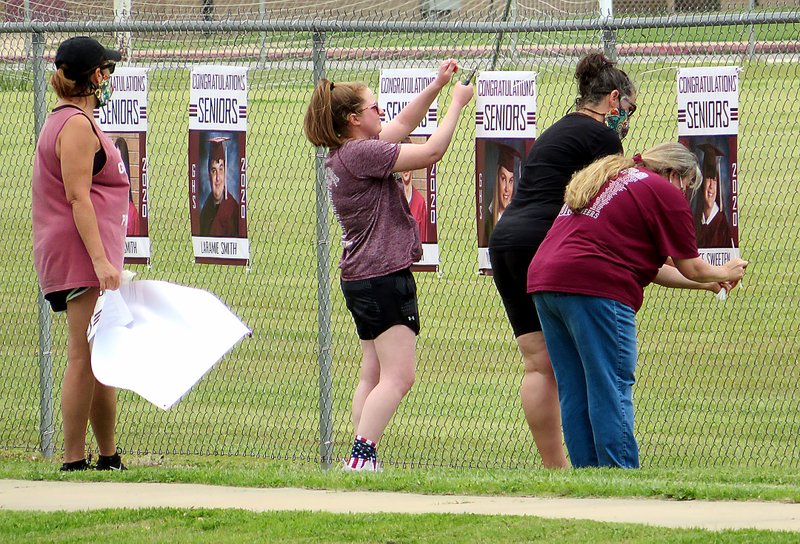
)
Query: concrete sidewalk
[{"x": 74, "y": 496}]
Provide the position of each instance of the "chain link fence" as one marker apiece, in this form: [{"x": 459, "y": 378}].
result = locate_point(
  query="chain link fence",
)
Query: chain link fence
[
  {"x": 717, "y": 382},
  {"x": 370, "y": 10}
]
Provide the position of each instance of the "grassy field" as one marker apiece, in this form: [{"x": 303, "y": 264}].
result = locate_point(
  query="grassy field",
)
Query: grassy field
[
  {"x": 717, "y": 483},
  {"x": 716, "y": 382},
  {"x": 203, "y": 525},
  {"x": 235, "y": 526}
]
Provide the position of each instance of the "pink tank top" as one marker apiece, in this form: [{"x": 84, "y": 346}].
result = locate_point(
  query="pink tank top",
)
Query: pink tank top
[{"x": 60, "y": 258}]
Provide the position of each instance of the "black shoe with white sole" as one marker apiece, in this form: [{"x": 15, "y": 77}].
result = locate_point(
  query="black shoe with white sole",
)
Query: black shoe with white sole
[
  {"x": 109, "y": 462},
  {"x": 81, "y": 464}
]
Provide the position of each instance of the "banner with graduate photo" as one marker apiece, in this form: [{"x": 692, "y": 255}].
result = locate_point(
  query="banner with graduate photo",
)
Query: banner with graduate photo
[
  {"x": 124, "y": 120},
  {"x": 397, "y": 88},
  {"x": 505, "y": 129},
  {"x": 218, "y": 165},
  {"x": 708, "y": 125}
]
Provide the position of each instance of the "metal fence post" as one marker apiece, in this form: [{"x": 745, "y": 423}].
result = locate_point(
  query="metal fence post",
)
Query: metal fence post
[
  {"x": 514, "y": 52},
  {"x": 609, "y": 34},
  {"x": 45, "y": 319},
  {"x": 323, "y": 282},
  {"x": 751, "y": 32},
  {"x": 262, "y": 53},
  {"x": 122, "y": 13}
]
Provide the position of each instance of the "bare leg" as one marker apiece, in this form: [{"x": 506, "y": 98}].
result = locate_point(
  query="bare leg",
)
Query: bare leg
[
  {"x": 78, "y": 387},
  {"x": 103, "y": 416},
  {"x": 368, "y": 379},
  {"x": 539, "y": 395},
  {"x": 395, "y": 349}
]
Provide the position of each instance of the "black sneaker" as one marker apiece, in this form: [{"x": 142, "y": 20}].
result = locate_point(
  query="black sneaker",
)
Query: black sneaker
[
  {"x": 109, "y": 462},
  {"x": 81, "y": 464}
]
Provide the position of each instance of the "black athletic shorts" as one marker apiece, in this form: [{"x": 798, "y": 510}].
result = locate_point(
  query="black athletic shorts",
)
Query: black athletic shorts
[
  {"x": 380, "y": 303},
  {"x": 510, "y": 273},
  {"x": 58, "y": 299}
]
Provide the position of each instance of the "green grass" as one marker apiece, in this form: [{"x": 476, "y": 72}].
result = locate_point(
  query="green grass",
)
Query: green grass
[
  {"x": 716, "y": 382},
  {"x": 202, "y": 525},
  {"x": 741, "y": 484}
]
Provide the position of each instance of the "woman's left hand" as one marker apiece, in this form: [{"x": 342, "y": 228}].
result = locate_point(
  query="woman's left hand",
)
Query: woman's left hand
[
  {"x": 715, "y": 287},
  {"x": 446, "y": 71}
]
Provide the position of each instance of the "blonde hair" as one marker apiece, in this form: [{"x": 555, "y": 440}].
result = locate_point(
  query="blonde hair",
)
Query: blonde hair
[
  {"x": 661, "y": 159},
  {"x": 325, "y": 122}
]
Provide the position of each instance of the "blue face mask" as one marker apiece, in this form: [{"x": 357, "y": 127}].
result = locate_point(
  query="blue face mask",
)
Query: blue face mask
[
  {"x": 104, "y": 92},
  {"x": 617, "y": 120}
]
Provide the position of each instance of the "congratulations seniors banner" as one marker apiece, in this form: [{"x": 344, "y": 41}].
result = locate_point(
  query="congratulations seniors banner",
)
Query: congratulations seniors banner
[
  {"x": 397, "y": 89},
  {"x": 708, "y": 124},
  {"x": 124, "y": 120},
  {"x": 505, "y": 123},
  {"x": 217, "y": 164}
]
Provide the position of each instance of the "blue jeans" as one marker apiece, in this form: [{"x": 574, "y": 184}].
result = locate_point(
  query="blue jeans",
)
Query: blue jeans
[{"x": 592, "y": 345}]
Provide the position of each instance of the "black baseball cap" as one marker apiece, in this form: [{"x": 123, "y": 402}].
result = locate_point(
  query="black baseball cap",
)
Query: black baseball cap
[{"x": 82, "y": 54}]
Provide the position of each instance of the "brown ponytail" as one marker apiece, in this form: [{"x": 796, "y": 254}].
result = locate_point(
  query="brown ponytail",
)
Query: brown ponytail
[
  {"x": 68, "y": 88},
  {"x": 326, "y": 123}
]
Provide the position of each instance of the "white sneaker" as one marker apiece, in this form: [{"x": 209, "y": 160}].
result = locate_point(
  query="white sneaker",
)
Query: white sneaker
[{"x": 361, "y": 465}]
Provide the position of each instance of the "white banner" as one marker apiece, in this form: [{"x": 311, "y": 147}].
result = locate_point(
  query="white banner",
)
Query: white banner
[
  {"x": 137, "y": 246},
  {"x": 218, "y": 164},
  {"x": 218, "y": 98},
  {"x": 158, "y": 339},
  {"x": 401, "y": 86},
  {"x": 708, "y": 101},
  {"x": 505, "y": 105},
  {"x": 221, "y": 248},
  {"x": 124, "y": 121},
  {"x": 708, "y": 124},
  {"x": 505, "y": 129},
  {"x": 127, "y": 109}
]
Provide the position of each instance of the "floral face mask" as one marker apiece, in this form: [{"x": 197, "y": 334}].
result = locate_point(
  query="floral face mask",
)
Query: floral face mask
[
  {"x": 617, "y": 120},
  {"x": 104, "y": 91}
]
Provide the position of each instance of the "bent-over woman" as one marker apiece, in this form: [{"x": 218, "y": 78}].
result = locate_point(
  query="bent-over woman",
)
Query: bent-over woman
[{"x": 621, "y": 221}]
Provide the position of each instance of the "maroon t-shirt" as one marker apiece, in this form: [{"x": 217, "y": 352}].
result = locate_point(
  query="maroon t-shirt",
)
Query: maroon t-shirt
[
  {"x": 614, "y": 247},
  {"x": 380, "y": 236}
]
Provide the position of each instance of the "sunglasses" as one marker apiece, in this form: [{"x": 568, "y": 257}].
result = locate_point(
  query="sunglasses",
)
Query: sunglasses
[
  {"x": 631, "y": 106},
  {"x": 372, "y": 107},
  {"x": 110, "y": 66}
]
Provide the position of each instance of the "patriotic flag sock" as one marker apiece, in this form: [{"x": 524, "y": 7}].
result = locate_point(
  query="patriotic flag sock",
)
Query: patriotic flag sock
[{"x": 364, "y": 451}]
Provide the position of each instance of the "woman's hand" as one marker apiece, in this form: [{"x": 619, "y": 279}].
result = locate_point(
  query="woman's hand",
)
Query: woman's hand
[
  {"x": 735, "y": 269},
  {"x": 714, "y": 287},
  {"x": 462, "y": 94},
  {"x": 446, "y": 71},
  {"x": 108, "y": 275}
]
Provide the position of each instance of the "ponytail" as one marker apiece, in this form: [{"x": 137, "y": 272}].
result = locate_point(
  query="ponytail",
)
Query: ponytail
[
  {"x": 325, "y": 122},
  {"x": 69, "y": 88}
]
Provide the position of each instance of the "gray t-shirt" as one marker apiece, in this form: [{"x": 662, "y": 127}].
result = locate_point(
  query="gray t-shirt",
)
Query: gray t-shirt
[{"x": 380, "y": 235}]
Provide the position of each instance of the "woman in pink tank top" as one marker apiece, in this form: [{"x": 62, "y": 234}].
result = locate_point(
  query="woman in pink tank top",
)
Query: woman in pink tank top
[{"x": 79, "y": 212}]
